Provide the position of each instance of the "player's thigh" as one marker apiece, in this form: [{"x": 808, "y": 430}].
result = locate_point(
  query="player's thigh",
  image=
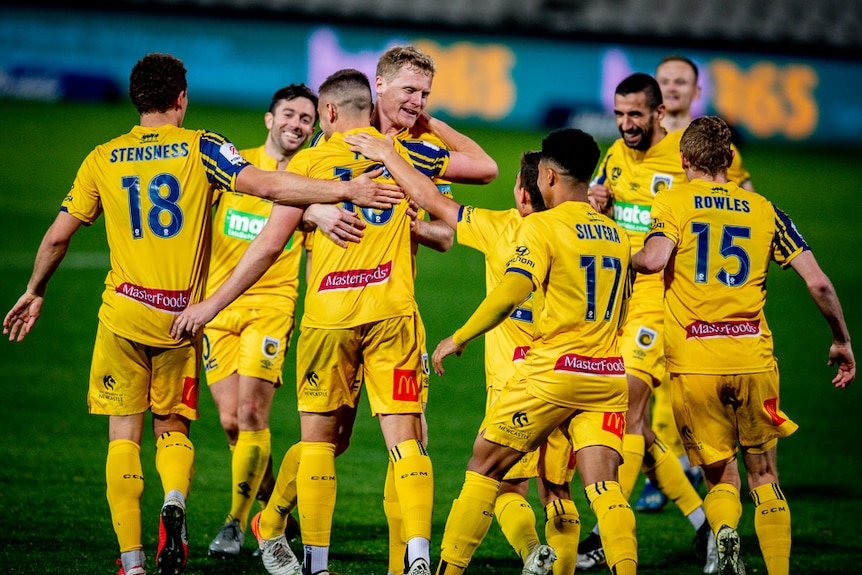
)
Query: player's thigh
[
  {"x": 327, "y": 361},
  {"x": 393, "y": 364},
  {"x": 705, "y": 417}
]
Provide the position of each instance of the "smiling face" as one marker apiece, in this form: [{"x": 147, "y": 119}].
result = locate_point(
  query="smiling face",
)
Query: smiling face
[
  {"x": 401, "y": 99},
  {"x": 639, "y": 126},
  {"x": 291, "y": 124},
  {"x": 678, "y": 85}
]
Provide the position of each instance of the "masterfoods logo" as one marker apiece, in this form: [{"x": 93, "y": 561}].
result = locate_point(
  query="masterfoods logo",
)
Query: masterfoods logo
[
  {"x": 574, "y": 363},
  {"x": 171, "y": 301},
  {"x": 703, "y": 329},
  {"x": 356, "y": 279}
]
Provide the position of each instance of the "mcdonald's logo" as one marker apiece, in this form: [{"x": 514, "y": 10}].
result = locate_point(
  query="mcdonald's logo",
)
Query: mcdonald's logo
[
  {"x": 405, "y": 386},
  {"x": 771, "y": 407},
  {"x": 191, "y": 391},
  {"x": 615, "y": 423}
]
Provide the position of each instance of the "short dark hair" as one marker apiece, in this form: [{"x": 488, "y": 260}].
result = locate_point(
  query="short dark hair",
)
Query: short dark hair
[
  {"x": 684, "y": 60},
  {"x": 292, "y": 92},
  {"x": 529, "y": 176},
  {"x": 155, "y": 83},
  {"x": 573, "y": 150},
  {"x": 640, "y": 82},
  {"x": 347, "y": 88},
  {"x": 706, "y": 145}
]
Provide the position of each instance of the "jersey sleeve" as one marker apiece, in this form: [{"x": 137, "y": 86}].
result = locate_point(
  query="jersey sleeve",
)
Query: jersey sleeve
[
  {"x": 83, "y": 201},
  {"x": 664, "y": 223},
  {"x": 531, "y": 256},
  {"x": 429, "y": 159},
  {"x": 787, "y": 242},
  {"x": 478, "y": 228},
  {"x": 222, "y": 160}
]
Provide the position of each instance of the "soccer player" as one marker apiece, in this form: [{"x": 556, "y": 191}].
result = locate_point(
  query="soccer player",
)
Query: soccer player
[
  {"x": 714, "y": 241},
  {"x": 677, "y": 76},
  {"x": 639, "y": 164},
  {"x": 359, "y": 314},
  {"x": 573, "y": 378},
  {"x": 245, "y": 344},
  {"x": 154, "y": 185}
]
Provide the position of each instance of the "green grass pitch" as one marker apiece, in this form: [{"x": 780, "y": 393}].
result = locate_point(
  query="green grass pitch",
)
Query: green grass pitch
[{"x": 52, "y": 487}]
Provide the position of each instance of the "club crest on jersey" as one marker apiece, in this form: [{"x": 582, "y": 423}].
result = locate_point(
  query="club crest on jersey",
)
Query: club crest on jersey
[
  {"x": 646, "y": 337},
  {"x": 660, "y": 182},
  {"x": 270, "y": 347}
]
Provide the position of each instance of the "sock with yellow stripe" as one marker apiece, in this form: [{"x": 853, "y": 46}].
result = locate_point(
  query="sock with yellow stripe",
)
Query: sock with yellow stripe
[
  {"x": 316, "y": 490},
  {"x": 273, "y": 518},
  {"x": 633, "y": 457},
  {"x": 562, "y": 532},
  {"x": 125, "y": 480},
  {"x": 248, "y": 465},
  {"x": 517, "y": 521},
  {"x": 616, "y": 524},
  {"x": 468, "y": 522},
  {"x": 671, "y": 479},
  {"x": 175, "y": 462},
  {"x": 414, "y": 483},
  {"x": 772, "y": 525},
  {"x": 392, "y": 509},
  {"x": 722, "y": 506}
]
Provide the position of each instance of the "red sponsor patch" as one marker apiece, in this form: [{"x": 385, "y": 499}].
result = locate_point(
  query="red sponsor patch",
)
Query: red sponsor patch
[
  {"x": 355, "y": 279},
  {"x": 191, "y": 392},
  {"x": 702, "y": 329},
  {"x": 615, "y": 423},
  {"x": 171, "y": 301},
  {"x": 405, "y": 386},
  {"x": 771, "y": 407},
  {"x": 520, "y": 353},
  {"x": 574, "y": 363}
]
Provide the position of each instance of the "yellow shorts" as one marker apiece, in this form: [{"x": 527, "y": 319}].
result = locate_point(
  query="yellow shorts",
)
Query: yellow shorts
[
  {"x": 642, "y": 344},
  {"x": 714, "y": 412},
  {"x": 424, "y": 373},
  {"x": 328, "y": 363},
  {"x": 127, "y": 377},
  {"x": 554, "y": 459},
  {"x": 250, "y": 342},
  {"x": 524, "y": 422}
]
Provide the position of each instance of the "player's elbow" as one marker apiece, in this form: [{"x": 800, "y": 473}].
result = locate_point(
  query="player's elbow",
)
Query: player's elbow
[{"x": 488, "y": 171}]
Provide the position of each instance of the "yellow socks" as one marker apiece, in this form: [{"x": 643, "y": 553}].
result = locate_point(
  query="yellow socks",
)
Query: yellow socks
[
  {"x": 414, "y": 482},
  {"x": 722, "y": 506},
  {"x": 248, "y": 464},
  {"x": 518, "y": 522},
  {"x": 316, "y": 489},
  {"x": 125, "y": 480},
  {"x": 671, "y": 479},
  {"x": 175, "y": 462},
  {"x": 468, "y": 523},
  {"x": 562, "y": 532},
  {"x": 772, "y": 525},
  {"x": 273, "y": 519},
  {"x": 392, "y": 509},
  {"x": 633, "y": 456},
  {"x": 616, "y": 524}
]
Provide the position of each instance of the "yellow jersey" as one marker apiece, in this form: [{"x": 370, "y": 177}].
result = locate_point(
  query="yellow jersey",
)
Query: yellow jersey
[
  {"x": 237, "y": 221},
  {"x": 580, "y": 261},
  {"x": 716, "y": 281},
  {"x": 155, "y": 187},
  {"x": 372, "y": 280}
]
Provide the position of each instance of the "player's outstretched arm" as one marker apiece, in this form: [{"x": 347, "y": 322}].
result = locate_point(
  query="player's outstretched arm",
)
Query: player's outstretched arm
[
  {"x": 823, "y": 293},
  {"x": 496, "y": 307},
  {"x": 468, "y": 162},
  {"x": 295, "y": 190},
  {"x": 412, "y": 181},
  {"x": 258, "y": 256},
  {"x": 653, "y": 256},
  {"x": 20, "y": 319}
]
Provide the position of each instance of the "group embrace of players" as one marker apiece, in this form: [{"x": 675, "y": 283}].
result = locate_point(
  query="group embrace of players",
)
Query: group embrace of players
[{"x": 607, "y": 280}]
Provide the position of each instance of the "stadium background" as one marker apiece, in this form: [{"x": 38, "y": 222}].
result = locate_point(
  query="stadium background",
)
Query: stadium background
[{"x": 788, "y": 74}]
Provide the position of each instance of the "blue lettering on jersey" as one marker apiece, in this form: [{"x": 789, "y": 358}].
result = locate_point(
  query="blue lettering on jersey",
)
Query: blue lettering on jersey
[
  {"x": 152, "y": 152},
  {"x": 721, "y": 203},
  {"x": 597, "y": 232}
]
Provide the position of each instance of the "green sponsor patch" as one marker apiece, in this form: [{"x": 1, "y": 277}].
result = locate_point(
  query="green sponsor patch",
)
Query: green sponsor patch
[{"x": 632, "y": 217}]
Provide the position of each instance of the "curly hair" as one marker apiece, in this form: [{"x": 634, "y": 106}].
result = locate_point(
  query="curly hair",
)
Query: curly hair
[
  {"x": 156, "y": 82},
  {"x": 706, "y": 145}
]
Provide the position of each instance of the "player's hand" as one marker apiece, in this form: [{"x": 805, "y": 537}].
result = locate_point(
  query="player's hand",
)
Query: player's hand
[
  {"x": 20, "y": 319},
  {"x": 192, "y": 320},
  {"x": 842, "y": 356},
  {"x": 600, "y": 197},
  {"x": 369, "y": 146},
  {"x": 365, "y": 192},
  {"x": 444, "y": 349},
  {"x": 339, "y": 224}
]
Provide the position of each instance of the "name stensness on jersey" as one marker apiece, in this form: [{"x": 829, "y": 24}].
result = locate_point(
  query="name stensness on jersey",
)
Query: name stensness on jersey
[{"x": 150, "y": 152}]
